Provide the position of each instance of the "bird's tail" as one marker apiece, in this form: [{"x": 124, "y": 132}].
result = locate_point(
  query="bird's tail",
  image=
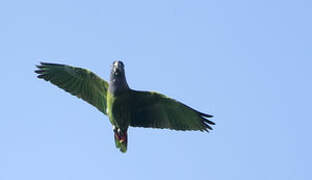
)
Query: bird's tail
[{"x": 121, "y": 140}]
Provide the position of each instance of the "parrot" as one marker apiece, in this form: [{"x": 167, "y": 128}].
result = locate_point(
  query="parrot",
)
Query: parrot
[{"x": 125, "y": 107}]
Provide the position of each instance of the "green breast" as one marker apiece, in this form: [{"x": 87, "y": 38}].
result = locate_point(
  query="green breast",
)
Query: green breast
[{"x": 119, "y": 110}]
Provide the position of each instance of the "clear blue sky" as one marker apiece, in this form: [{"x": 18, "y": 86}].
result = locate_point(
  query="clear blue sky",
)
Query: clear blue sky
[{"x": 246, "y": 62}]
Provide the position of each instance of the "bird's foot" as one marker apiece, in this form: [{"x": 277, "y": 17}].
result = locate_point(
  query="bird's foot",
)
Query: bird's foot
[{"x": 120, "y": 135}]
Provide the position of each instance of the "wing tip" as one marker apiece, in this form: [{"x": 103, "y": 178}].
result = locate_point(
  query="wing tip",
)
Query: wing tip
[
  {"x": 44, "y": 68},
  {"x": 206, "y": 115},
  {"x": 209, "y": 122},
  {"x": 46, "y": 65},
  {"x": 206, "y": 122},
  {"x": 50, "y": 64},
  {"x": 206, "y": 127},
  {"x": 40, "y": 71}
]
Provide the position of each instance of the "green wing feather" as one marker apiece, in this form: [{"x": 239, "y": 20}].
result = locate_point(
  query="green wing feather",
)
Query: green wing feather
[
  {"x": 79, "y": 82},
  {"x": 155, "y": 110}
]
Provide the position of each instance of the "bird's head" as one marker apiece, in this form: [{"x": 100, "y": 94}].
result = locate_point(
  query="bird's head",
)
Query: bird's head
[
  {"x": 118, "y": 69},
  {"x": 118, "y": 82}
]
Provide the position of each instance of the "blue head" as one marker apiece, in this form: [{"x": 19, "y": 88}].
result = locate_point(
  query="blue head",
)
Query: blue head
[{"x": 118, "y": 82}]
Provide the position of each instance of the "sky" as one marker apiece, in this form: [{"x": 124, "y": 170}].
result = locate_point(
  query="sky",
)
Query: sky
[{"x": 246, "y": 62}]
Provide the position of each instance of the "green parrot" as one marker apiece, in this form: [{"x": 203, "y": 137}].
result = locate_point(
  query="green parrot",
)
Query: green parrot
[{"x": 124, "y": 106}]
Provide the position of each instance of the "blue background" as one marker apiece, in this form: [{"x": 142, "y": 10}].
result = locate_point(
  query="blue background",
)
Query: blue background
[{"x": 246, "y": 62}]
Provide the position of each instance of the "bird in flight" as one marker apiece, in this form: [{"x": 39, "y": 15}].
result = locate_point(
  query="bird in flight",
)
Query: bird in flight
[{"x": 124, "y": 106}]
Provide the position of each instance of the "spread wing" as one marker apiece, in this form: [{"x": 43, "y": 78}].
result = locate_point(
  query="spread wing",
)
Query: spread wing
[
  {"x": 79, "y": 82},
  {"x": 151, "y": 109}
]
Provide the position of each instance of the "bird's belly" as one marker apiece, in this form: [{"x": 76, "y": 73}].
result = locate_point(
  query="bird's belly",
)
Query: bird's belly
[
  {"x": 121, "y": 117},
  {"x": 120, "y": 114}
]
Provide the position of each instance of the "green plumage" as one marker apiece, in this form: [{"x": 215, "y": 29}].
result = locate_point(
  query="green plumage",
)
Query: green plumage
[
  {"x": 77, "y": 81},
  {"x": 154, "y": 110},
  {"x": 125, "y": 107}
]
